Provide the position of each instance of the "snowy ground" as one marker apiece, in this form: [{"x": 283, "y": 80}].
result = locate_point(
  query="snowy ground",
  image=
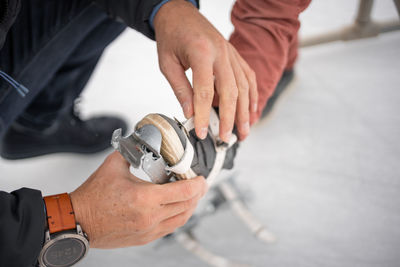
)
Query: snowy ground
[{"x": 323, "y": 170}]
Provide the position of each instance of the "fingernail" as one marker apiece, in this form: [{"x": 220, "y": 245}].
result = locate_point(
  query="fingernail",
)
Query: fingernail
[
  {"x": 246, "y": 128},
  {"x": 203, "y": 133},
  {"x": 254, "y": 107}
]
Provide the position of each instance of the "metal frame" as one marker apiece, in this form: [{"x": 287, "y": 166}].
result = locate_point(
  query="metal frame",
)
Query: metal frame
[
  {"x": 363, "y": 27},
  {"x": 228, "y": 194}
]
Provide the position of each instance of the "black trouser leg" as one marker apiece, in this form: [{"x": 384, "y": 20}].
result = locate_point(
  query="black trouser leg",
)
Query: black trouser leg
[{"x": 52, "y": 49}]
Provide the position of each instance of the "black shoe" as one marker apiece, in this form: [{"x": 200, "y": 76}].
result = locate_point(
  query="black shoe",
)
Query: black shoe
[
  {"x": 68, "y": 134},
  {"x": 286, "y": 79}
]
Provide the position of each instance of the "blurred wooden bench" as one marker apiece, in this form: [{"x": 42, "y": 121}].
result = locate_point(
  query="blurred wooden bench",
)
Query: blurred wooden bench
[{"x": 363, "y": 27}]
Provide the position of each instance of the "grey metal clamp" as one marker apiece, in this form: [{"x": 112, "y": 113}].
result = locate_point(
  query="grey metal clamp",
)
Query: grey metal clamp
[{"x": 142, "y": 150}]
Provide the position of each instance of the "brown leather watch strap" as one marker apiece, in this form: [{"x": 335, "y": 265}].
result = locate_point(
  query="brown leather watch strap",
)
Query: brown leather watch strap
[{"x": 60, "y": 215}]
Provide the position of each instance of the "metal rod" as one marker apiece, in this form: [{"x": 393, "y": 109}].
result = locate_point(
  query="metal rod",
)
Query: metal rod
[
  {"x": 397, "y": 4},
  {"x": 364, "y": 12},
  {"x": 192, "y": 245},
  {"x": 354, "y": 32},
  {"x": 363, "y": 27},
  {"x": 255, "y": 226}
]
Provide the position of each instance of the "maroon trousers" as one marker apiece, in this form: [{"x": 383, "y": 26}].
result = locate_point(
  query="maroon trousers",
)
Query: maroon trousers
[{"x": 266, "y": 37}]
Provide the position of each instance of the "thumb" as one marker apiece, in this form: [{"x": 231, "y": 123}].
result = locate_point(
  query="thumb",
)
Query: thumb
[
  {"x": 180, "y": 84},
  {"x": 117, "y": 161},
  {"x": 182, "y": 190}
]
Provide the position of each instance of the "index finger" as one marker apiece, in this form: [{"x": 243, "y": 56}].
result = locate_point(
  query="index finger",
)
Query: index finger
[
  {"x": 182, "y": 190},
  {"x": 203, "y": 88}
]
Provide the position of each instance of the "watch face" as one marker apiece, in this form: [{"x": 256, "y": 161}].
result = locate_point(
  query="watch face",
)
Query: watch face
[{"x": 64, "y": 252}]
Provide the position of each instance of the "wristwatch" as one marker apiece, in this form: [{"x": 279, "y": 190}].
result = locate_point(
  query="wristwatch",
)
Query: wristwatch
[{"x": 65, "y": 242}]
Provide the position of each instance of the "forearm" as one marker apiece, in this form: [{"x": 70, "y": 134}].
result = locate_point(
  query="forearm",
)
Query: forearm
[
  {"x": 22, "y": 223},
  {"x": 264, "y": 30}
]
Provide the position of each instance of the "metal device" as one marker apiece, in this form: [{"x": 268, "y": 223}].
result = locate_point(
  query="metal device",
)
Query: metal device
[{"x": 142, "y": 150}]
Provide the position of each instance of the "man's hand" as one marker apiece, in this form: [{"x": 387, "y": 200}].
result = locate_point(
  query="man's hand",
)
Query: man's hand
[
  {"x": 116, "y": 209},
  {"x": 185, "y": 39}
]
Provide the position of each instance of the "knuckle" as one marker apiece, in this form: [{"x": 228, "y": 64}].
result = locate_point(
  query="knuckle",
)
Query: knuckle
[
  {"x": 203, "y": 46},
  {"x": 222, "y": 44},
  {"x": 227, "y": 123},
  {"x": 163, "y": 66},
  {"x": 180, "y": 92},
  {"x": 189, "y": 204},
  {"x": 233, "y": 96},
  {"x": 230, "y": 96},
  {"x": 188, "y": 190},
  {"x": 206, "y": 95},
  {"x": 243, "y": 87},
  {"x": 243, "y": 115},
  {"x": 110, "y": 158},
  {"x": 252, "y": 75},
  {"x": 254, "y": 95}
]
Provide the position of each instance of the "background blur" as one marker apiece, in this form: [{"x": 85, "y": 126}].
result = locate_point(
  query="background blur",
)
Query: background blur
[{"x": 323, "y": 170}]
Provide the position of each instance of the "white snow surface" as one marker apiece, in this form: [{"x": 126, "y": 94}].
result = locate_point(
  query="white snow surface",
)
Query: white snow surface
[{"x": 323, "y": 170}]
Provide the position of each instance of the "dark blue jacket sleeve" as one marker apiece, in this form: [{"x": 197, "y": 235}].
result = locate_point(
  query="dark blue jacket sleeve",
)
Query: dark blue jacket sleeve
[
  {"x": 22, "y": 226},
  {"x": 9, "y": 10}
]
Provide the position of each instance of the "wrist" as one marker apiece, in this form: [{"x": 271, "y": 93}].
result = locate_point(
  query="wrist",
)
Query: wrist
[
  {"x": 161, "y": 9},
  {"x": 81, "y": 214},
  {"x": 65, "y": 242}
]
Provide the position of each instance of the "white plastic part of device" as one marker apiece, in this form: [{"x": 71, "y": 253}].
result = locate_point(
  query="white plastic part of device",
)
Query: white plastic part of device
[
  {"x": 220, "y": 149},
  {"x": 184, "y": 164}
]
